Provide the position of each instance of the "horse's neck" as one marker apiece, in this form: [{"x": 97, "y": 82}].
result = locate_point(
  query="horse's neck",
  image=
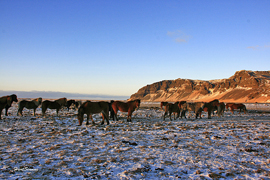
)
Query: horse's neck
[{"x": 36, "y": 102}]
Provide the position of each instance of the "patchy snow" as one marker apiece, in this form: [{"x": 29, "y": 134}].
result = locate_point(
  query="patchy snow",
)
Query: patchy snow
[{"x": 232, "y": 147}]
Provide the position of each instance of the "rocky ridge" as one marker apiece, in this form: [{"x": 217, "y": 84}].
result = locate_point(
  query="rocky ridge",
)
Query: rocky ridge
[{"x": 243, "y": 86}]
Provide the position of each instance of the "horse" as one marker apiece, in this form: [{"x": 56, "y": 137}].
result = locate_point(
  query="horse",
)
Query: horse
[
  {"x": 29, "y": 105},
  {"x": 163, "y": 104},
  {"x": 196, "y": 108},
  {"x": 62, "y": 101},
  {"x": 172, "y": 108},
  {"x": 69, "y": 103},
  {"x": 5, "y": 101},
  {"x": 183, "y": 108},
  {"x": 129, "y": 107},
  {"x": 13, "y": 99},
  {"x": 239, "y": 106},
  {"x": 50, "y": 104},
  {"x": 90, "y": 108},
  {"x": 220, "y": 109},
  {"x": 228, "y": 105},
  {"x": 77, "y": 104},
  {"x": 209, "y": 107}
]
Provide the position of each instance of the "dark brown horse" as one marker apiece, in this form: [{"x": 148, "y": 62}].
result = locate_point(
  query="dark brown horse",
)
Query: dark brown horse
[
  {"x": 183, "y": 108},
  {"x": 234, "y": 106},
  {"x": 69, "y": 103},
  {"x": 129, "y": 107},
  {"x": 210, "y": 106},
  {"x": 90, "y": 108},
  {"x": 6, "y": 101},
  {"x": 29, "y": 105},
  {"x": 172, "y": 108},
  {"x": 13, "y": 99},
  {"x": 163, "y": 104},
  {"x": 51, "y": 105},
  {"x": 62, "y": 101}
]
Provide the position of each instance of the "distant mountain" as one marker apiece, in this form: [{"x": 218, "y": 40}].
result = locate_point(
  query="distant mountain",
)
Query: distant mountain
[
  {"x": 56, "y": 95},
  {"x": 243, "y": 86}
]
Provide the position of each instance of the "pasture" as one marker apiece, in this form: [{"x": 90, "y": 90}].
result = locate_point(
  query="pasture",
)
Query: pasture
[{"x": 54, "y": 147}]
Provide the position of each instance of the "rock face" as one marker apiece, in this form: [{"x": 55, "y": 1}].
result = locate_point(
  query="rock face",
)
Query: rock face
[{"x": 243, "y": 86}]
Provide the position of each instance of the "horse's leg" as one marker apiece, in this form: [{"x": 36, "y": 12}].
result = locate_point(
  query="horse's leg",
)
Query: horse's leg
[
  {"x": 164, "y": 116},
  {"x": 87, "y": 119},
  {"x": 183, "y": 113},
  {"x": 209, "y": 113},
  {"x": 107, "y": 117},
  {"x": 115, "y": 115},
  {"x": 102, "y": 122},
  {"x": 129, "y": 116},
  {"x": 232, "y": 109},
  {"x": 34, "y": 111},
  {"x": 7, "y": 107},
  {"x": 20, "y": 111},
  {"x": 44, "y": 110},
  {"x": 115, "y": 110},
  {"x": 93, "y": 122}
]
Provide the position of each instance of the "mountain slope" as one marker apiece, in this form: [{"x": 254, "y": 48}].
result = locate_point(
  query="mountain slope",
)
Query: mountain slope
[{"x": 243, "y": 86}]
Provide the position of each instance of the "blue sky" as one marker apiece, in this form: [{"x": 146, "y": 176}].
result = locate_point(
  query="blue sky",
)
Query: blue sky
[{"x": 116, "y": 47}]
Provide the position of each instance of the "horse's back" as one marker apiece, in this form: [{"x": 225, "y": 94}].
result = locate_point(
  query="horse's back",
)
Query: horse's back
[
  {"x": 119, "y": 105},
  {"x": 51, "y": 104},
  {"x": 95, "y": 107}
]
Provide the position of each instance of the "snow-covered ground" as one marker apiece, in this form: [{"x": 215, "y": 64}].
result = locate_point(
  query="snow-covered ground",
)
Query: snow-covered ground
[{"x": 232, "y": 147}]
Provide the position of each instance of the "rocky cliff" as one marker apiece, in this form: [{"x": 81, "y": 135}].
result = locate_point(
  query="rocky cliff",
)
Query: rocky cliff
[{"x": 243, "y": 86}]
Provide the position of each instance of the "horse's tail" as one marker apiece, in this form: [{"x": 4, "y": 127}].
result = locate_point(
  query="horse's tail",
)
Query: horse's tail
[
  {"x": 111, "y": 110},
  {"x": 80, "y": 115}
]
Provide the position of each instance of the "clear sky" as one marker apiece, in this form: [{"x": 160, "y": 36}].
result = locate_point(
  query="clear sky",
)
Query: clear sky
[{"x": 115, "y": 47}]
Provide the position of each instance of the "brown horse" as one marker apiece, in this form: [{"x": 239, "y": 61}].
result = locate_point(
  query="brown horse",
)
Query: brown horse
[
  {"x": 29, "y": 105},
  {"x": 209, "y": 107},
  {"x": 220, "y": 109},
  {"x": 228, "y": 105},
  {"x": 163, "y": 104},
  {"x": 239, "y": 106},
  {"x": 62, "y": 101},
  {"x": 183, "y": 108},
  {"x": 90, "y": 108},
  {"x": 4, "y": 101},
  {"x": 51, "y": 105},
  {"x": 129, "y": 107},
  {"x": 196, "y": 108},
  {"x": 172, "y": 108},
  {"x": 13, "y": 99},
  {"x": 69, "y": 103}
]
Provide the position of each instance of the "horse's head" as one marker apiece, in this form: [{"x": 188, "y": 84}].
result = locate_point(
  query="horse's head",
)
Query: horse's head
[
  {"x": 39, "y": 101},
  {"x": 137, "y": 103},
  {"x": 14, "y": 98},
  {"x": 80, "y": 115}
]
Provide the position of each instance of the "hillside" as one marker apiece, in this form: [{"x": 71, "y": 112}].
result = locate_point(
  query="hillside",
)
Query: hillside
[{"x": 243, "y": 86}]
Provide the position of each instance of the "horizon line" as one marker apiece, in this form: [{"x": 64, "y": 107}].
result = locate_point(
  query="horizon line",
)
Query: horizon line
[{"x": 59, "y": 94}]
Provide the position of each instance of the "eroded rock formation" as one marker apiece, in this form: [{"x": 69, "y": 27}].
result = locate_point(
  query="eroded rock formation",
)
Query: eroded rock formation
[{"x": 243, "y": 86}]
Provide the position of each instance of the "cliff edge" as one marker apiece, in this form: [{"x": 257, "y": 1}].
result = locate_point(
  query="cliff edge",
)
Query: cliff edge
[{"x": 243, "y": 86}]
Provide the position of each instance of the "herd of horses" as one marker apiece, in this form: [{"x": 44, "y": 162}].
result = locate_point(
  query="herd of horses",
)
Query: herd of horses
[
  {"x": 181, "y": 107},
  {"x": 109, "y": 109}
]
